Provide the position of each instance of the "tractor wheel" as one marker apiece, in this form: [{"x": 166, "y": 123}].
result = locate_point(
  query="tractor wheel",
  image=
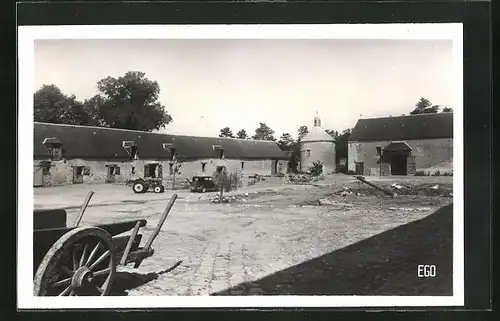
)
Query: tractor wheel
[
  {"x": 157, "y": 189},
  {"x": 139, "y": 187}
]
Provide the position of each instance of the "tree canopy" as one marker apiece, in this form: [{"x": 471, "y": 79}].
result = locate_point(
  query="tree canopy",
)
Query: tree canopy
[
  {"x": 242, "y": 134},
  {"x": 286, "y": 142},
  {"x": 226, "y": 132},
  {"x": 127, "y": 102},
  {"x": 424, "y": 106},
  {"x": 264, "y": 132}
]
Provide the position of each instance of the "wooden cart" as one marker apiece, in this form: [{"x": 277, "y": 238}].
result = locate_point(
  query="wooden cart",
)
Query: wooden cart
[{"x": 82, "y": 260}]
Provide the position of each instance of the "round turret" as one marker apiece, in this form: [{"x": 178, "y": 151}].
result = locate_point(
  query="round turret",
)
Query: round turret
[{"x": 317, "y": 145}]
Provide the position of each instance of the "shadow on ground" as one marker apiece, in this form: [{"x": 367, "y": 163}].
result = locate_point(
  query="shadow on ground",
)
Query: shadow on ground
[
  {"x": 385, "y": 264},
  {"x": 125, "y": 281}
]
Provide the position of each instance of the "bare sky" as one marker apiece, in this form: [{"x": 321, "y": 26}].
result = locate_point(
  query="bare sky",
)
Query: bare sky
[{"x": 209, "y": 84}]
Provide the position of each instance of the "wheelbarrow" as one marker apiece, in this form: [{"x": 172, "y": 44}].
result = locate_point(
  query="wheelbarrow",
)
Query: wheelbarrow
[{"x": 82, "y": 260}]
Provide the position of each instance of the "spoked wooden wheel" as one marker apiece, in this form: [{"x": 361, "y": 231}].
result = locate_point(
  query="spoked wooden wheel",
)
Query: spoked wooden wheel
[{"x": 81, "y": 263}]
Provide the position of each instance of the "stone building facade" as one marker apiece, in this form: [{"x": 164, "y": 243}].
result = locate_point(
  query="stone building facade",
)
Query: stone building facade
[
  {"x": 66, "y": 154},
  {"x": 405, "y": 145}
]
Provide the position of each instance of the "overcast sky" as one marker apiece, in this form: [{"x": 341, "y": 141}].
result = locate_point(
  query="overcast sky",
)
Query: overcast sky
[{"x": 209, "y": 84}]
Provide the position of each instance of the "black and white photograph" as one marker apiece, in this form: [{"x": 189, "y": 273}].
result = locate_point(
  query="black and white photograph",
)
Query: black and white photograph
[{"x": 240, "y": 165}]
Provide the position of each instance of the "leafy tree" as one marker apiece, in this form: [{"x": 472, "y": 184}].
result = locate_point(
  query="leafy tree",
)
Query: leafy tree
[
  {"x": 226, "y": 132},
  {"x": 447, "y": 110},
  {"x": 131, "y": 102},
  {"x": 51, "y": 105},
  {"x": 333, "y": 133},
  {"x": 303, "y": 130},
  {"x": 316, "y": 168},
  {"x": 242, "y": 134},
  {"x": 424, "y": 106},
  {"x": 286, "y": 142},
  {"x": 264, "y": 132}
]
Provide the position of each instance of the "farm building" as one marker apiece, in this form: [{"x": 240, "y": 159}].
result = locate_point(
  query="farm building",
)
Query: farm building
[
  {"x": 317, "y": 146},
  {"x": 67, "y": 154},
  {"x": 402, "y": 145}
]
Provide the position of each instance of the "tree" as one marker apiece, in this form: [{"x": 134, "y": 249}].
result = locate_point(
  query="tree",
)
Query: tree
[
  {"x": 51, "y": 105},
  {"x": 424, "y": 106},
  {"x": 286, "y": 142},
  {"x": 333, "y": 133},
  {"x": 242, "y": 134},
  {"x": 264, "y": 132},
  {"x": 226, "y": 132},
  {"x": 447, "y": 110},
  {"x": 131, "y": 102},
  {"x": 303, "y": 130}
]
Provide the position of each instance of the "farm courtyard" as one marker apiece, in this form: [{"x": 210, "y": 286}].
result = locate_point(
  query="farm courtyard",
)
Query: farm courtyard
[{"x": 335, "y": 236}]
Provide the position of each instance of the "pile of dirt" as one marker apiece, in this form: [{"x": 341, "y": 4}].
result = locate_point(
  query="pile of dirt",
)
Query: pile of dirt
[
  {"x": 430, "y": 190},
  {"x": 303, "y": 178},
  {"x": 226, "y": 198}
]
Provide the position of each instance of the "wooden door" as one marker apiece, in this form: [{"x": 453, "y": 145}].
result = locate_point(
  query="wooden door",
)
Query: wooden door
[
  {"x": 385, "y": 169},
  {"x": 37, "y": 176},
  {"x": 359, "y": 168},
  {"x": 411, "y": 167}
]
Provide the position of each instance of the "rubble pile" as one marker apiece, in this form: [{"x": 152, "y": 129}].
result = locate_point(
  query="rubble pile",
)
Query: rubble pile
[
  {"x": 298, "y": 178},
  {"x": 348, "y": 191},
  {"x": 422, "y": 190}
]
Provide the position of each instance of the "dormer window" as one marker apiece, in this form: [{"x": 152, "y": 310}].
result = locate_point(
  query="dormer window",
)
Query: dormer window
[
  {"x": 54, "y": 147},
  {"x": 171, "y": 150},
  {"x": 220, "y": 151},
  {"x": 131, "y": 148}
]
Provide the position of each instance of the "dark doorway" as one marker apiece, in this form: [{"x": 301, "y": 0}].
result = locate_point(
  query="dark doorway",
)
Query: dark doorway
[
  {"x": 153, "y": 170},
  {"x": 398, "y": 165},
  {"x": 78, "y": 174},
  {"x": 360, "y": 168},
  {"x": 274, "y": 167}
]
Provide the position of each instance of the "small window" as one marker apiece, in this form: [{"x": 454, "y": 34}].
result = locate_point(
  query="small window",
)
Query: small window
[
  {"x": 117, "y": 170},
  {"x": 86, "y": 171},
  {"x": 56, "y": 153},
  {"x": 203, "y": 165},
  {"x": 242, "y": 165},
  {"x": 379, "y": 150},
  {"x": 308, "y": 153},
  {"x": 219, "y": 169},
  {"x": 132, "y": 170}
]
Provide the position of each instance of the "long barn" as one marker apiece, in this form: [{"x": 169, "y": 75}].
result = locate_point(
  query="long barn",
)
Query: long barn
[
  {"x": 403, "y": 145},
  {"x": 67, "y": 154}
]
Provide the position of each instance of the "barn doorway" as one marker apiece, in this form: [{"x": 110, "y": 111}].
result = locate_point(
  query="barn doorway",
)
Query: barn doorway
[
  {"x": 397, "y": 155},
  {"x": 154, "y": 170},
  {"x": 78, "y": 174},
  {"x": 274, "y": 167},
  {"x": 111, "y": 172},
  {"x": 360, "y": 168}
]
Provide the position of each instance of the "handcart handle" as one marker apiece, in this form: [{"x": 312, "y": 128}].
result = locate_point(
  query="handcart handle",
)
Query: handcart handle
[
  {"x": 83, "y": 208},
  {"x": 160, "y": 223}
]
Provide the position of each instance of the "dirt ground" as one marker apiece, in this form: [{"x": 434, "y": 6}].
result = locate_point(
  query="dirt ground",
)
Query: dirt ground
[{"x": 210, "y": 248}]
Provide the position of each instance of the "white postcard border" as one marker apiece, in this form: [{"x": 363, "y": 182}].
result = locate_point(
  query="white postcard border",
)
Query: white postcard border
[{"x": 28, "y": 34}]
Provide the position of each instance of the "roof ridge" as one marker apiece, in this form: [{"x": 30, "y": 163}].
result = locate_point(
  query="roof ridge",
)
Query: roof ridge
[
  {"x": 156, "y": 133},
  {"x": 410, "y": 115}
]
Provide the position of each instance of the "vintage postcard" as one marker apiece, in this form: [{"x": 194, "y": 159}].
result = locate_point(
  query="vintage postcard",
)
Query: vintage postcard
[{"x": 240, "y": 166}]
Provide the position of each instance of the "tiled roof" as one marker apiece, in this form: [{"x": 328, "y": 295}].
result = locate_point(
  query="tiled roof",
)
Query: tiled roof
[
  {"x": 423, "y": 126},
  {"x": 105, "y": 143}
]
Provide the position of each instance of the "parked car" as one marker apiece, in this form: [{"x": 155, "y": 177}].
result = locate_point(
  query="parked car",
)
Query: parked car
[{"x": 203, "y": 184}]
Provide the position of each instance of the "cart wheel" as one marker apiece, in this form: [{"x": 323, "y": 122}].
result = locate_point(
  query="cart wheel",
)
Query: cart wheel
[
  {"x": 139, "y": 187},
  {"x": 81, "y": 263},
  {"x": 157, "y": 189}
]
